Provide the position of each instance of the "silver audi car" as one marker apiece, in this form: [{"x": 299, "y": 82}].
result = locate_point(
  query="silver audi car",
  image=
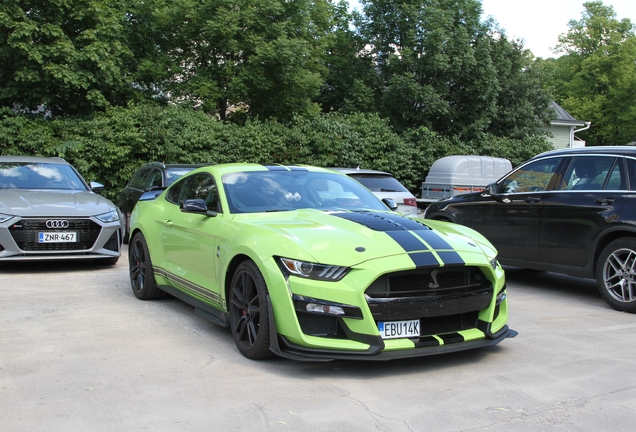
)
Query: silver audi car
[{"x": 49, "y": 212}]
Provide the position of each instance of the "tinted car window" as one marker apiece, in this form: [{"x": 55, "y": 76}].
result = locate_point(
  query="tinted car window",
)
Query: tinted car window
[
  {"x": 155, "y": 179},
  {"x": 589, "y": 173},
  {"x": 138, "y": 179},
  {"x": 200, "y": 186},
  {"x": 175, "y": 191},
  {"x": 536, "y": 176},
  {"x": 379, "y": 183}
]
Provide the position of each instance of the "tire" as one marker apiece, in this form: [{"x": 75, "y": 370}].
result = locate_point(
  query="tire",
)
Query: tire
[
  {"x": 249, "y": 313},
  {"x": 142, "y": 277},
  {"x": 616, "y": 274}
]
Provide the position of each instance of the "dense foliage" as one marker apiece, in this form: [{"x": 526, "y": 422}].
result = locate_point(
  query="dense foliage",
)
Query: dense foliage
[
  {"x": 112, "y": 84},
  {"x": 595, "y": 79},
  {"x": 109, "y": 146}
]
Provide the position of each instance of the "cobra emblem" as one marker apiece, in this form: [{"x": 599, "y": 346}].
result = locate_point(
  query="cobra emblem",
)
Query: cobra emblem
[{"x": 57, "y": 223}]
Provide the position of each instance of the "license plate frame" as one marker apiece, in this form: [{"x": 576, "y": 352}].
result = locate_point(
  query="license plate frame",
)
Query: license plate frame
[
  {"x": 400, "y": 329},
  {"x": 58, "y": 237}
]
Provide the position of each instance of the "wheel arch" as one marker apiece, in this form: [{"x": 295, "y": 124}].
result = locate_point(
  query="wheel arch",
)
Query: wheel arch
[
  {"x": 229, "y": 274},
  {"x": 606, "y": 239}
]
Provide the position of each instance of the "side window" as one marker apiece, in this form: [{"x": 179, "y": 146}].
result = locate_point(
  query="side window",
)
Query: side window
[
  {"x": 536, "y": 176},
  {"x": 138, "y": 179},
  {"x": 631, "y": 169},
  {"x": 155, "y": 179},
  {"x": 589, "y": 173},
  {"x": 201, "y": 186},
  {"x": 617, "y": 179},
  {"x": 175, "y": 191}
]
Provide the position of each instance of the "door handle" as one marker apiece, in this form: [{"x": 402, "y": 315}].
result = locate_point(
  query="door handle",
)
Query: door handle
[
  {"x": 532, "y": 200},
  {"x": 604, "y": 201},
  {"x": 167, "y": 222}
]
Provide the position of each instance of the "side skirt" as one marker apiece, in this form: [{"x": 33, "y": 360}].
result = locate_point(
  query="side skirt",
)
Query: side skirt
[{"x": 216, "y": 316}]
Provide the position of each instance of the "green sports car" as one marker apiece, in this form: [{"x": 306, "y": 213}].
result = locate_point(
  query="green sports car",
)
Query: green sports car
[{"x": 308, "y": 264}]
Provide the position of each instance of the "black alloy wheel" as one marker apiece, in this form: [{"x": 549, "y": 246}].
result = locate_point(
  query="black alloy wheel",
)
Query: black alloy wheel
[
  {"x": 249, "y": 313},
  {"x": 142, "y": 277}
]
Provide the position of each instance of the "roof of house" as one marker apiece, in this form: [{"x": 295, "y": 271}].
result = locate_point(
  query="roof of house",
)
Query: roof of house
[{"x": 564, "y": 118}]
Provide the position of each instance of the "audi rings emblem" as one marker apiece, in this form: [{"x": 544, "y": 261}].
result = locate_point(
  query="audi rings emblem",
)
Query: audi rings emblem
[{"x": 57, "y": 223}]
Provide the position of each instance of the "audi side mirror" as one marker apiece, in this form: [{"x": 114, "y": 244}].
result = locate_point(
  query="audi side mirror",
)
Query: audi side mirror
[
  {"x": 390, "y": 203},
  {"x": 96, "y": 187}
]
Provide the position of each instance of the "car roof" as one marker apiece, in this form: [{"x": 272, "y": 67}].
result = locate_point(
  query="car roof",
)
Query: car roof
[
  {"x": 177, "y": 165},
  {"x": 360, "y": 171},
  {"x": 614, "y": 150},
  {"x": 33, "y": 159}
]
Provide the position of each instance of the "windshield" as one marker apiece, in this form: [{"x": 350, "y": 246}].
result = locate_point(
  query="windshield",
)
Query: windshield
[
  {"x": 263, "y": 191},
  {"x": 28, "y": 175}
]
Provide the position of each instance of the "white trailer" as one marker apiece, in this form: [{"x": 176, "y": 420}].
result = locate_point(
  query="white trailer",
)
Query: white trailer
[{"x": 460, "y": 174}]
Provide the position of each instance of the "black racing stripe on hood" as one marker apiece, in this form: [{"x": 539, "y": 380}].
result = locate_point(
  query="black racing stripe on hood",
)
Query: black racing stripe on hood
[
  {"x": 433, "y": 239},
  {"x": 407, "y": 240},
  {"x": 384, "y": 222},
  {"x": 451, "y": 258},
  {"x": 424, "y": 259}
]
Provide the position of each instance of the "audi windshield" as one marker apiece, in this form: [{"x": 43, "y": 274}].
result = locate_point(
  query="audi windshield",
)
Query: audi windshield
[{"x": 28, "y": 175}]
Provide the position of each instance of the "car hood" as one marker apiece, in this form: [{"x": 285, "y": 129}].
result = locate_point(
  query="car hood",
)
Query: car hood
[
  {"x": 352, "y": 237},
  {"x": 54, "y": 203}
]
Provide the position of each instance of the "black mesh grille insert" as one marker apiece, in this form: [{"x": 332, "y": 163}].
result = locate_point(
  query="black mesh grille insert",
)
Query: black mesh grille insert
[
  {"x": 427, "y": 282},
  {"x": 320, "y": 325},
  {"x": 429, "y": 293},
  {"x": 25, "y": 233},
  {"x": 113, "y": 242}
]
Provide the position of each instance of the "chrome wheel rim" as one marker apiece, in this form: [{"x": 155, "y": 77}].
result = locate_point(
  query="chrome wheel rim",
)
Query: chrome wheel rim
[{"x": 619, "y": 275}]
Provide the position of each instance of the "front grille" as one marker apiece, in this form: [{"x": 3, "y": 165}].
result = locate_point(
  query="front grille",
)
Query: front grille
[
  {"x": 427, "y": 282},
  {"x": 429, "y": 293},
  {"x": 25, "y": 234}
]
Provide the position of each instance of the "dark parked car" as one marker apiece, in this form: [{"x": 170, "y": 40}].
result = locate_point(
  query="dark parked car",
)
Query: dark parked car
[
  {"x": 49, "y": 212},
  {"x": 153, "y": 175},
  {"x": 570, "y": 211}
]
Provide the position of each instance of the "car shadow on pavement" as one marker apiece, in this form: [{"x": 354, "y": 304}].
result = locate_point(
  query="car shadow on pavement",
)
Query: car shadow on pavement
[{"x": 53, "y": 266}]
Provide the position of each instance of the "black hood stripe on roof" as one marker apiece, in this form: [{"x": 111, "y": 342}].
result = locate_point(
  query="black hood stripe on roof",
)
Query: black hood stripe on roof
[{"x": 403, "y": 230}]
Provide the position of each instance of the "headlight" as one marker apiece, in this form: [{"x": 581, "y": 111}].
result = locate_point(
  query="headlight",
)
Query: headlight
[
  {"x": 111, "y": 216},
  {"x": 4, "y": 217},
  {"x": 313, "y": 271},
  {"x": 494, "y": 263}
]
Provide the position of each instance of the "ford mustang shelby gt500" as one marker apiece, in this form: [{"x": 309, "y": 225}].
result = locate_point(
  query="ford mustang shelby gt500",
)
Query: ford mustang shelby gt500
[{"x": 306, "y": 263}]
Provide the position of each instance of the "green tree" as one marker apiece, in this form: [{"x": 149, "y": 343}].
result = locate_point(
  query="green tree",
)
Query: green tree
[
  {"x": 434, "y": 63},
  {"x": 595, "y": 79},
  {"x": 67, "y": 56},
  {"x": 260, "y": 57},
  {"x": 351, "y": 84}
]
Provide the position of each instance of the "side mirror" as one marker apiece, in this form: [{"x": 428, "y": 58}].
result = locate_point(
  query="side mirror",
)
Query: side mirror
[
  {"x": 390, "y": 203},
  {"x": 196, "y": 206},
  {"x": 96, "y": 187},
  {"x": 491, "y": 189}
]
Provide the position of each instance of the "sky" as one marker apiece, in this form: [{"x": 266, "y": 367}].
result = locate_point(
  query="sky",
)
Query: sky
[{"x": 540, "y": 22}]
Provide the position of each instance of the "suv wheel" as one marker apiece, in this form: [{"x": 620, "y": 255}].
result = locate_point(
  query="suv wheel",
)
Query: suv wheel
[{"x": 616, "y": 274}]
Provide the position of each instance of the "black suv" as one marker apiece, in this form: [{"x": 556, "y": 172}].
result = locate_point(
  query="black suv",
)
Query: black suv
[
  {"x": 153, "y": 175},
  {"x": 570, "y": 211}
]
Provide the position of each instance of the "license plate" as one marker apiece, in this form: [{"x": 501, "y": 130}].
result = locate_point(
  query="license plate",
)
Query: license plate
[
  {"x": 399, "y": 329},
  {"x": 57, "y": 237}
]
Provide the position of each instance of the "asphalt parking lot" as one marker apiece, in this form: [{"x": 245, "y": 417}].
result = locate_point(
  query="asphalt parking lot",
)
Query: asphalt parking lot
[{"x": 79, "y": 352}]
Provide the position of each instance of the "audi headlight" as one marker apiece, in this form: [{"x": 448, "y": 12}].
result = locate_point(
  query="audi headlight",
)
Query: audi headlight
[
  {"x": 111, "y": 216},
  {"x": 4, "y": 217},
  {"x": 310, "y": 270}
]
